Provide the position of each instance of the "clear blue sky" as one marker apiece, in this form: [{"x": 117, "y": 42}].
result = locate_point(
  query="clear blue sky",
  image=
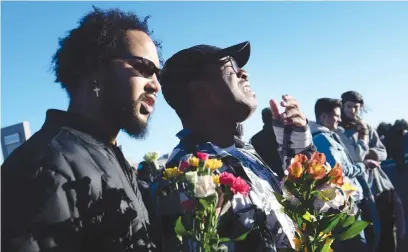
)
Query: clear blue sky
[{"x": 308, "y": 50}]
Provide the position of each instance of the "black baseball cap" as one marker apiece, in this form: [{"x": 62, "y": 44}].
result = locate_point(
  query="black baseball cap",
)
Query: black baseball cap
[{"x": 185, "y": 65}]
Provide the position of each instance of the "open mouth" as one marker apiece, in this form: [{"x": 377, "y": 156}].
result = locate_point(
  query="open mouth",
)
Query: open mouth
[
  {"x": 147, "y": 105},
  {"x": 246, "y": 87}
]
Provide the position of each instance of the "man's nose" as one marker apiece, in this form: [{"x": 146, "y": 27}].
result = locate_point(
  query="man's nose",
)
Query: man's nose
[
  {"x": 243, "y": 74},
  {"x": 153, "y": 86}
]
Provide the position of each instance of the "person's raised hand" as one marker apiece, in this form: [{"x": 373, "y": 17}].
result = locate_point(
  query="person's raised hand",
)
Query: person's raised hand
[{"x": 292, "y": 114}]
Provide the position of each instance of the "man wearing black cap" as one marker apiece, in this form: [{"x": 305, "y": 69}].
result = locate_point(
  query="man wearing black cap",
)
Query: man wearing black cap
[{"x": 210, "y": 92}]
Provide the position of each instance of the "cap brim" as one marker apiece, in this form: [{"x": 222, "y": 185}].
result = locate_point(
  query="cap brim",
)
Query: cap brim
[{"x": 240, "y": 52}]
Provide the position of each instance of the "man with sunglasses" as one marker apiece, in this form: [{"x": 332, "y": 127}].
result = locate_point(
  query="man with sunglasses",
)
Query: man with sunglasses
[
  {"x": 210, "y": 92},
  {"x": 69, "y": 187}
]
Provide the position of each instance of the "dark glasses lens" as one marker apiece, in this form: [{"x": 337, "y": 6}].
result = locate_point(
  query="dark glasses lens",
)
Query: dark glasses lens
[
  {"x": 145, "y": 67},
  {"x": 234, "y": 65},
  {"x": 148, "y": 68}
]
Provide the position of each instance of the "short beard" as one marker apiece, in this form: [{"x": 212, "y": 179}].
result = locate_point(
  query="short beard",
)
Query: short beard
[
  {"x": 134, "y": 127},
  {"x": 124, "y": 118}
]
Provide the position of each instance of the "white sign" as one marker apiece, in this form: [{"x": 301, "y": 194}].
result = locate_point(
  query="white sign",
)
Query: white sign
[{"x": 12, "y": 139}]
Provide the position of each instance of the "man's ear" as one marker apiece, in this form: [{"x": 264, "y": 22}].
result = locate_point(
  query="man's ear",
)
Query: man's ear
[
  {"x": 323, "y": 118},
  {"x": 200, "y": 88}
]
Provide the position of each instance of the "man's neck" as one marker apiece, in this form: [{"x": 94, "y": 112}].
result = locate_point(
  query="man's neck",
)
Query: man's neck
[
  {"x": 94, "y": 115},
  {"x": 323, "y": 125},
  {"x": 217, "y": 132}
]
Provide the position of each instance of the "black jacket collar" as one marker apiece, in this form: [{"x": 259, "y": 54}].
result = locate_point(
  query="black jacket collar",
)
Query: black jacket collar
[{"x": 59, "y": 119}]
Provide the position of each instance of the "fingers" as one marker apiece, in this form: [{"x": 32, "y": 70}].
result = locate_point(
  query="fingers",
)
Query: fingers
[
  {"x": 289, "y": 102},
  {"x": 274, "y": 109},
  {"x": 292, "y": 115}
]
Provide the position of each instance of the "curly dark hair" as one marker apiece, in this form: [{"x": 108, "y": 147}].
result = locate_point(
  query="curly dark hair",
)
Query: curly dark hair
[{"x": 99, "y": 37}]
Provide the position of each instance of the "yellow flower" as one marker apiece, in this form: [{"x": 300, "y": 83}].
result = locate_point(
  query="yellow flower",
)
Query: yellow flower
[
  {"x": 298, "y": 243},
  {"x": 169, "y": 173},
  {"x": 216, "y": 179},
  {"x": 213, "y": 164},
  {"x": 324, "y": 236},
  {"x": 193, "y": 161},
  {"x": 348, "y": 189},
  {"x": 329, "y": 242}
]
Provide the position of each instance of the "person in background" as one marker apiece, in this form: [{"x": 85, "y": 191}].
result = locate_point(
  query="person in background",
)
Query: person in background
[
  {"x": 328, "y": 117},
  {"x": 363, "y": 144},
  {"x": 265, "y": 143},
  {"x": 396, "y": 141},
  {"x": 69, "y": 187},
  {"x": 383, "y": 129}
]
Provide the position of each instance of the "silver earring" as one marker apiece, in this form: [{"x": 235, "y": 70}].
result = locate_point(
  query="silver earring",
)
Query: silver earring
[{"x": 96, "y": 89}]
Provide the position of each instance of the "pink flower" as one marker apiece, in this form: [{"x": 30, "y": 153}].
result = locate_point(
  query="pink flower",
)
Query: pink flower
[
  {"x": 183, "y": 166},
  {"x": 227, "y": 178},
  {"x": 240, "y": 186},
  {"x": 202, "y": 156},
  {"x": 188, "y": 205}
]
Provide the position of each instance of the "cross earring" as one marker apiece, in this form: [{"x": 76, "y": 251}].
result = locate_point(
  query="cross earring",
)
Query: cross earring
[{"x": 96, "y": 89}]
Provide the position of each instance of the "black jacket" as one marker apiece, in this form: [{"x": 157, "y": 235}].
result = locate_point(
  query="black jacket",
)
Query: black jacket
[{"x": 68, "y": 189}]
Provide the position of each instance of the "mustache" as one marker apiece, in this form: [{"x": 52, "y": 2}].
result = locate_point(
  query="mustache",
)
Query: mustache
[{"x": 131, "y": 106}]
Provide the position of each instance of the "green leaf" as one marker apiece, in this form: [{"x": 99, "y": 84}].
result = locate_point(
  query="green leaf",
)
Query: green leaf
[
  {"x": 349, "y": 220},
  {"x": 325, "y": 248},
  {"x": 239, "y": 238},
  {"x": 299, "y": 220},
  {"x": 353, "y": 231},
  {"x": 332, "y": 224},
  {"x": 208, "y": 201},
  {"x": 180, "y": 229}
]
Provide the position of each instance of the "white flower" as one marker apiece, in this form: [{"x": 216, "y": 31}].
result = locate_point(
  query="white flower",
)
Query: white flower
[
  {"x": 191, "y": 177},
  {"x": 204, "y": 186},
  {"x": 330, "y": 198}
]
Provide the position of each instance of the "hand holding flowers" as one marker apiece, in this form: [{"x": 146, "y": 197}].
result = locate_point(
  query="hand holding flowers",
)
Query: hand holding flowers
[
  {"x": 206, "y": 194},
  {"x": 318, "y": 199}
]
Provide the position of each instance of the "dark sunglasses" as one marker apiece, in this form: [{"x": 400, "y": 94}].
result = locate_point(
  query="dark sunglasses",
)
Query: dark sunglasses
[
  {"x": 144, "y": 66},
  {"x": 234, "y": 64}
]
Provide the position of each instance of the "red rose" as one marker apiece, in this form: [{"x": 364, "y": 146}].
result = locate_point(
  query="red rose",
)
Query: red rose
[
  {"x": 240, "y": 186},
  {"x": 202, "y": 156},
  {"x": 188, "y": 205},
  {"x": 183, "y": 166},
  {"x": 227, "y": 178}
]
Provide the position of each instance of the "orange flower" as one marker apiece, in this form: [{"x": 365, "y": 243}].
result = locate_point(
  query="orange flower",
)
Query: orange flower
[
  {"x": 318, "y": 157},
  {"x": 298, "y": 243},
  {"x": 295, "y": 171},
  {"x": 316, "y": 170},
  {"x": 336, "y": 175},
  {"x": 300, "y": 158}
]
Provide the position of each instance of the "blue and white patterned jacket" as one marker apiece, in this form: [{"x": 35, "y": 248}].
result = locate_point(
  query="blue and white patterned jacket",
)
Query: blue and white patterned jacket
[{"x": 291, "y": 142}]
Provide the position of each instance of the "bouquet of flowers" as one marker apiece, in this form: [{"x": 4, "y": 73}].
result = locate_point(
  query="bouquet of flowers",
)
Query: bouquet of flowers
[
  {"x": 318, "y": 199},
  {"x": 205, "y": 194}
]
